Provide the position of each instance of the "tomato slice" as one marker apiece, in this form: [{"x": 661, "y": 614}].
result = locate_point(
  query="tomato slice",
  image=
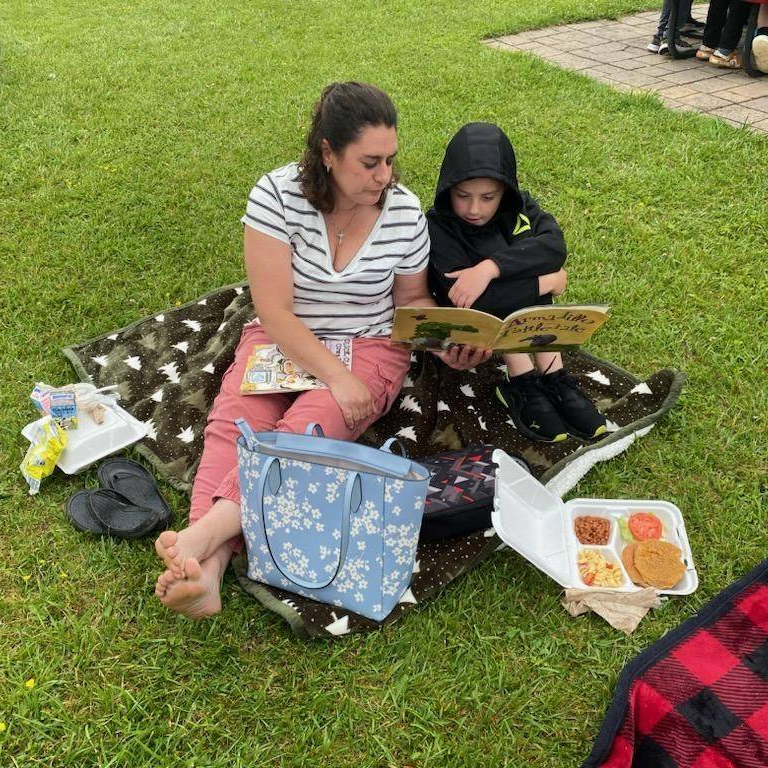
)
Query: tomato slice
[{"x": 644, "y": 526}]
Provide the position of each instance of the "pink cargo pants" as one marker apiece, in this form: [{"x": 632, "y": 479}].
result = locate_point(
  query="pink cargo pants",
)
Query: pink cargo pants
[{"x": 379, "y": 365}]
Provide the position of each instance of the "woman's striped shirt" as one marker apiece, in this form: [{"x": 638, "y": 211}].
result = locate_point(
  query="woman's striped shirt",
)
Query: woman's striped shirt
[{"x": 357, "y": 301}]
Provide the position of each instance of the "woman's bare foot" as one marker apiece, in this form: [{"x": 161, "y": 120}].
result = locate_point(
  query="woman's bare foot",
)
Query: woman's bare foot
[
  {"x": 197, "y": 594},
  {"x": 201, "y": 539},
  {"x": 166, "y": 546},
  {"x": 174, "y": 548}
]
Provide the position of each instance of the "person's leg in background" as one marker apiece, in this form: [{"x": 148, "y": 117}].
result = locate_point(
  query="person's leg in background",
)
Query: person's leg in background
[
  {"x": 726, "y": 55},
  {"x": 691, "y": 27},
  {"x": 716, "y": 18},
  {"x": 661, "y": 29},
  {"x": 662, "y": 33}
]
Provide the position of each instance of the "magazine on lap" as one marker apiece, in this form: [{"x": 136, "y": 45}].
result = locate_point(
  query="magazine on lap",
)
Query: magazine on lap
[{"x": 269, "y": 371}]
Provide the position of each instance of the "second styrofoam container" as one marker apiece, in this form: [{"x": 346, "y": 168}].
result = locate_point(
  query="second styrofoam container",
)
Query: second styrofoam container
[{"x": 90, "y": 442}]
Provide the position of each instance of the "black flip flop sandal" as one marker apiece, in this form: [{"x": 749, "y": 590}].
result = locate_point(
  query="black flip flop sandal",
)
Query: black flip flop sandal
[
  {"x": 80, "y": 514},
  {"x": 131, "y": 480},
  {"x": 107, "y": 513}
]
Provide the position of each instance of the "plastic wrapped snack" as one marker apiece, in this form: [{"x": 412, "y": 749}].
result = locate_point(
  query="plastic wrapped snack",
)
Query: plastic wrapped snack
[
  {"x": 47, "y": 444},
  {"x": 94, "y": 402}
]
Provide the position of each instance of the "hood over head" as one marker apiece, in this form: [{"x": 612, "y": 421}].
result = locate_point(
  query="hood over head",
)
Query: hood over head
[{"x": 480, "y": 150}]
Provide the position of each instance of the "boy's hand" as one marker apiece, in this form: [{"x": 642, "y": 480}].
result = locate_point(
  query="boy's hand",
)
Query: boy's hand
[
  {"x": 553, "y": 283},
  {"x": 470, "y": 283}
]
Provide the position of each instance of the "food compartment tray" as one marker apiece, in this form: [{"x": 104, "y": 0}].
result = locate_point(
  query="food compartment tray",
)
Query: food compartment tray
[{"x": 673, "y": 531}]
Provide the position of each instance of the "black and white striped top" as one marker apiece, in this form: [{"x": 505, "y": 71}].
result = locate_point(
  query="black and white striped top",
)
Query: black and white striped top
[{"x": 358, "y": 300}]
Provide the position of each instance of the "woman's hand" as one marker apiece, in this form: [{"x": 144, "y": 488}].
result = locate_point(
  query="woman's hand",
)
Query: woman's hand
[
  {"x": 463, "y": 357},
  {"x": 354, "y": 399},
  {"x": 553, "y": 283},
  {"x": 470, "y": 283}
]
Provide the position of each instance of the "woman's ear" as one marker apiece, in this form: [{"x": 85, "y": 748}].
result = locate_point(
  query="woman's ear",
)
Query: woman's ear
[{"x": 325, "y": 149}]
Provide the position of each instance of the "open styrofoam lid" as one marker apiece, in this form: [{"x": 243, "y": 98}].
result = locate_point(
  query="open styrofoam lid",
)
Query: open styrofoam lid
[
  {"x": 529, "y": 518},
  {"x": 90, "y": 442}
]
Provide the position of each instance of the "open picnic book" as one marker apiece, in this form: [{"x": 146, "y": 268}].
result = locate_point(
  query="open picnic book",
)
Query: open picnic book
[
  {"x": 269, "y": 371},
  {"x": 548, "y": 328}
]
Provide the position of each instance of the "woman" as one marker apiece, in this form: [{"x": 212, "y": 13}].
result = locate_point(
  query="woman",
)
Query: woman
[{"x": 332, "y": 245}]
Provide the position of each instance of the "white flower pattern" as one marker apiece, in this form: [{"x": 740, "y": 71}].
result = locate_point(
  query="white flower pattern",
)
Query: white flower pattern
[{"x": 306, "y": 533}]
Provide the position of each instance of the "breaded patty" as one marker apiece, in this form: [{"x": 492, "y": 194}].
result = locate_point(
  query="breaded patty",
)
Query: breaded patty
[
  {"x": 628, "y": 559},
  {"x": 659, "y": 563}
]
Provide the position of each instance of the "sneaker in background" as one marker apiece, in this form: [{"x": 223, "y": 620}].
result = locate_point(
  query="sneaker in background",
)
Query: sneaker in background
[
  {"x": 655, "y": 44},
  {"x": 531, "y": 409},
  {"x": 576, "y": 410},
  {"x": 693, "y": 28},
  {"x": 683, "y": 46},
  {"x": 760, "y": 49}
]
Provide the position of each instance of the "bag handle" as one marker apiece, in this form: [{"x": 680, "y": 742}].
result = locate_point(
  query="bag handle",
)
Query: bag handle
[
  {"x": 248, "y": 434},
  {"x": 393, "y": 441},
  {"x": 352, "y": 498},
  {"x": 384, "y": 461},
  {"x": 313, "y": 428}
]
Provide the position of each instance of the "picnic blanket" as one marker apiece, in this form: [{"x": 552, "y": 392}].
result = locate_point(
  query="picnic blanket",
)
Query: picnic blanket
[
  {"x": 698, "y": 698},
  {"x": 168, "y": 368}
]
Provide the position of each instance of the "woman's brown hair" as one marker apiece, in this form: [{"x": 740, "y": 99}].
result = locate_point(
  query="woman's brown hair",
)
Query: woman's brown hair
[{"x": 340, "y": 115}]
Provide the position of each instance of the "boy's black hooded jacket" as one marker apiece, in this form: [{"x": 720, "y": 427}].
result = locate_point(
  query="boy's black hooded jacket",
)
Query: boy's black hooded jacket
[{"x": 524, "y": 241}]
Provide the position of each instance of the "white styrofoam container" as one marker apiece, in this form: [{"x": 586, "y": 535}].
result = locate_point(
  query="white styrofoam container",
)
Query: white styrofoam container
[
  {"x": 90, "y": 441},
  {"x": 539, "y": 525}
]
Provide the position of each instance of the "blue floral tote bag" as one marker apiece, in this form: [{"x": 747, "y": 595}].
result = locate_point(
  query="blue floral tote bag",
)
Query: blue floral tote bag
[{"x": 331, "y": 520}]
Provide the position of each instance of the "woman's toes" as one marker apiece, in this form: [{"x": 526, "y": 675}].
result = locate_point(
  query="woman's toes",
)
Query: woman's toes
[
  {"x": 166, "y": 546},
  {"x": 192, "y": 569},
  {"x": 164, "y": 581},
  {"x": 195, "y": 596},
  {"x": 165, "y": 542}
]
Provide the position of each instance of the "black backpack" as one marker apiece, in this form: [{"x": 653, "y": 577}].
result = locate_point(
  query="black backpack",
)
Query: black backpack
[{"x": 460, "y": 492}]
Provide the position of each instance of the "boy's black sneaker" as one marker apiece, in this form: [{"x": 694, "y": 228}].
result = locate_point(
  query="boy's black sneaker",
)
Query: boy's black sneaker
[
  {"x": 577, "y": 411},
  {"x": 530, "y": 408}
]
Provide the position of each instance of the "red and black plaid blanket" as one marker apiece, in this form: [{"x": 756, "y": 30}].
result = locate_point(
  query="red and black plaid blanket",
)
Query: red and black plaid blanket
[{"x": 698, "y": 698}]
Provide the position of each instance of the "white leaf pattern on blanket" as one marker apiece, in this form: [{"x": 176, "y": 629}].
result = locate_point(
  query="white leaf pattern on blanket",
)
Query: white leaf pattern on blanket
[{"x": 171, "y": 372}]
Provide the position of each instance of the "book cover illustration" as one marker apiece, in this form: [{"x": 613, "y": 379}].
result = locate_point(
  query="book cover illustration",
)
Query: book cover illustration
[
  {"x": 269, "y": 370},
  {"x": 548, "y": 328}
]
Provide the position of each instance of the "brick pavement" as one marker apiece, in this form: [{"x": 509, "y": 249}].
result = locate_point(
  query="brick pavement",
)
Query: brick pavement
[{"x": 614, "y": 52}]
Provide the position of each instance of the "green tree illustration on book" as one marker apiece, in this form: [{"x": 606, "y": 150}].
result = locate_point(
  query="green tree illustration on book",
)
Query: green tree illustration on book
[{"x": 432, "y": 334}]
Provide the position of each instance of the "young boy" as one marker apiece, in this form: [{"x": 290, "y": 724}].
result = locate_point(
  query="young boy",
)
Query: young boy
[{"x": 494, "y": 249}]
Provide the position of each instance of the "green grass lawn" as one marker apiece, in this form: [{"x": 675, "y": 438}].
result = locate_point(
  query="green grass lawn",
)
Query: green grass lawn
[{"x": 130, "y": 135}]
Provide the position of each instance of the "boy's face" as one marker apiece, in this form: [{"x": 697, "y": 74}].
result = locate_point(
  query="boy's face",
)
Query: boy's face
[{"x": 477, "y": 200}]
